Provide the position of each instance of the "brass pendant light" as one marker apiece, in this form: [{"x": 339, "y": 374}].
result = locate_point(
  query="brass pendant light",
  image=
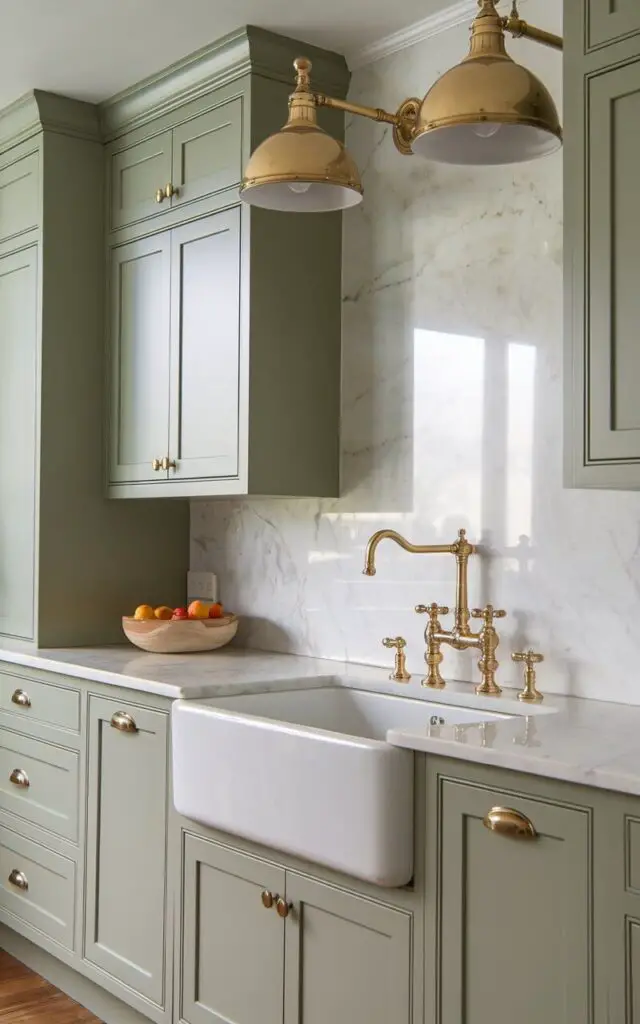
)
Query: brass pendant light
[
  {"x": 301, "y": 168},
  {"x": 486, "y": 110}
]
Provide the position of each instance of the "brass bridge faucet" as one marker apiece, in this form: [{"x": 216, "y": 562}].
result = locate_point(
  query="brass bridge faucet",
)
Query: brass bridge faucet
[{"x": 461, "y": 636}]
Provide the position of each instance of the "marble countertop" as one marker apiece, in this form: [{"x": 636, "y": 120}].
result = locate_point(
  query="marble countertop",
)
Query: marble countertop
[{"x": 589, "y": 742}]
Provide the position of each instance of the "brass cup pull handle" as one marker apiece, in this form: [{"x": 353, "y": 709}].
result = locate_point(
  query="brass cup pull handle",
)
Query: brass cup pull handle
[
  {"x": 21, "y": 698},
  {"x": 507, "y": 822},
  {"x": 19, "y": 879},
  {"x": 19, "y": 778},
  {"x": 124, "y": 722},
  {"x": 268, "y": 899},
  {"x": 282, "y": 907}
]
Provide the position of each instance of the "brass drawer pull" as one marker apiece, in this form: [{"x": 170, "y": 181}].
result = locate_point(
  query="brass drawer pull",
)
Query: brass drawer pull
[
  {"x": 283, "y": 907},
  {"x": 507, "y": 822},
  {"x": 19, "y": 778},
  {"x": 21, "y": 698},
  {"x": 124, "y": 722},
  {"x": 18, "y": 879},
  {"x": 267, "y": 898}
]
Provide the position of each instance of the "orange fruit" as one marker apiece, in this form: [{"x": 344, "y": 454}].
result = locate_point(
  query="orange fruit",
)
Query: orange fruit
[
  {"x": 198, "y": 610},
  {"x": 143, "y": 612},
  {"x": 216, "y": 611},
  {"x": 163, "y": 612}
]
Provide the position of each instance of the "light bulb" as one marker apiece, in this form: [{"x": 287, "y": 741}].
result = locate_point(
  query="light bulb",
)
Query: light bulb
[
  {"x": 486, "y": 129},
  {"x": 299, "y": 186}
]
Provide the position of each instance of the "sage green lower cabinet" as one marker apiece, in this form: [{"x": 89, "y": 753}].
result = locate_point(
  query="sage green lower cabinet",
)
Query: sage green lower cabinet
[
  {"x": 126, "y": 847},
  {"x": 513, "y": 928},
  {"x": 347, "y": 958},
  {"x": 334, "y": 956},
  {"x": 232, "y": 956}
]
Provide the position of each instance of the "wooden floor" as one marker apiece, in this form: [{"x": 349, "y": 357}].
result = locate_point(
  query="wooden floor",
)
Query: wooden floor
[{"x": 26, "y": 998}]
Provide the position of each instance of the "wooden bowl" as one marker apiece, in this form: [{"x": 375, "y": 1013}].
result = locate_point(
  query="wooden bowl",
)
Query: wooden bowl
[{"x": 179, "y": 636}]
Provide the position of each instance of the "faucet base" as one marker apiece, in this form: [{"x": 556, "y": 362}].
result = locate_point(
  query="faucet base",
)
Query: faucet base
[{"x": 488, "y": 690}]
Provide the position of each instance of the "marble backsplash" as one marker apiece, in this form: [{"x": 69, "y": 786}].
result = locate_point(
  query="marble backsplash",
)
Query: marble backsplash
[{"x": 451, "y": 416}]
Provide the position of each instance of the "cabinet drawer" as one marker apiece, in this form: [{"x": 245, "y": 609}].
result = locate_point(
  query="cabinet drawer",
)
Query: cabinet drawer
[
  {"x": 19, "y": 197},
  {"x": 37, "y": 887},
  {"x": 32, "y": 700},
  {"x": 44, "y": 789},
  {"x": 207, "y": 153},
  {"x": 135, "y": 175}
]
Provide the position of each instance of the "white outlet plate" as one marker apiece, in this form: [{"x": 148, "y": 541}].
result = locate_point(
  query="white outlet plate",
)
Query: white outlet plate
[{"x": 202, "y": 586}]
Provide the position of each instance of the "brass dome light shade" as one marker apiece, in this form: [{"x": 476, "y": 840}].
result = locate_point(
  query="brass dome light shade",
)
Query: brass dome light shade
[
  {"x": 487, "y": 109},
  {"x": 301, "y": 168}
]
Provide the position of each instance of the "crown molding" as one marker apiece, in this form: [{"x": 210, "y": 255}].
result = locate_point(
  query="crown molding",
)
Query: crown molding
[
  {"x": 38, "y": 110},
  {"x": 458, "y": 13}
]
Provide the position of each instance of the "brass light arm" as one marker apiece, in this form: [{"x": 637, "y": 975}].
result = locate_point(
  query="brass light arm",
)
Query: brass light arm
[
  {"x": 374, "y": 113},
  {"x": 519, "y": 28}
]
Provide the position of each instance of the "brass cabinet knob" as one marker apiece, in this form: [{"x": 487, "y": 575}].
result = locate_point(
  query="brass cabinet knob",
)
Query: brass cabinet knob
[
  {"x": 170, "y": 190},
  {"x": 268, "y": 899},
  {"x": 283, "y": 907},
  {"x": 160, "y": 196},
  {"x": 123, "y": 722},
  {"x": 507, "y": 822},
  {"x": 529, "y": 694},
  {"x": 19, "y": 778},
  {"x": 168, "y": 463},
  {"x": 156, "y": 465},
  {"x": 19, "y": 879},
  {"x": 21, "y": 698}
]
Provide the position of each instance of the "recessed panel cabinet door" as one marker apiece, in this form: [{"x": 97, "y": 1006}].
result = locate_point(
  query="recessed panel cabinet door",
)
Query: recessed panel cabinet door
[
  {"x": 139, "y": 353},
  {"x": 232, "y": 959},
  {"x": 126, "y": 883},
  {"x": 609, "y": 20},
  {"x": 18, "y": 367},
  {"x": 205, "y": 347},
  {"x": 514, "y": 917},
  {"x": 135, "y": 175},
  {"x": 348, "y": 959},
  {"x": 207, "y": 153}
]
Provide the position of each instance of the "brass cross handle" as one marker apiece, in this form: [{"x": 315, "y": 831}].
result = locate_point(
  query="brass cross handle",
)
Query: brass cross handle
[
  {"x": 529, "y": 694},
  {"x": 489, "y": 613},
  {"x": 434, "y": 611},
  {"x": 399, "y": 674}
]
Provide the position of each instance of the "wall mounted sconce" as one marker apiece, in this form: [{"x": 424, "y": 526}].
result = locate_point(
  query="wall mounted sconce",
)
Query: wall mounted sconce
[{"x": 486, "y": 110}]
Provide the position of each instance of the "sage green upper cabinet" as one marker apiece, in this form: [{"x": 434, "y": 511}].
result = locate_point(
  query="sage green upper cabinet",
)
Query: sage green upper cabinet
[
  {"x": 19, "y": 195},
  {"x": 602, "y": 250},
  {"x": 126, "y": 930},
  {"x": 347, "y": 958},
  {"x": 205, "y": 351},
  {"x": 611, "y": 20},
  {"x": 232, "y": 956},
  {"x": 512, "y": 930},
  {"x": 253, "y": 401},
  {"x": 136, "y": 174},
  {"x": 18, "y": 369},
  {"x": 140, "y": 357}
]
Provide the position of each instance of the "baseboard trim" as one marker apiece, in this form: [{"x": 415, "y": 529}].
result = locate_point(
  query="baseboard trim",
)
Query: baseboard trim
[{"x": 107, "y": 1007}]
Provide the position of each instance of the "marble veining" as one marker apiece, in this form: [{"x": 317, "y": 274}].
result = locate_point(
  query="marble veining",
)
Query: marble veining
[{"x": 451, "y": 416}]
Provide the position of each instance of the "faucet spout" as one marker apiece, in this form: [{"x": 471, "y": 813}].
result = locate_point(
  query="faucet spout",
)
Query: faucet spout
[{"x": 413, "y": 549}]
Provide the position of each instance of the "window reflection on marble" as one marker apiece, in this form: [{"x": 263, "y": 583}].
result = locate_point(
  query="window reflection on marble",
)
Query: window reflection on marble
[{"x": 521, "y": 369}]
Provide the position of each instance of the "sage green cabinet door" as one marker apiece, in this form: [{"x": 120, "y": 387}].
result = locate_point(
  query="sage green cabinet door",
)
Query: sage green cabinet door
[
  {"x": 609, "y": 20},
  {"x": 18, "y": 395},
  {"x": 126, "y": 883},
  {"x": 207, "y": 153},
  {"x": 348, "y": 959},
  {"x": 135, "y": 175},
  {"x": 140, "y": 357},
  {"x": 19, "y": 196},
  {"x": 232, "y": 956},
  {"x": 514, "y": 916},
  {"x": 205, "y": 347}
]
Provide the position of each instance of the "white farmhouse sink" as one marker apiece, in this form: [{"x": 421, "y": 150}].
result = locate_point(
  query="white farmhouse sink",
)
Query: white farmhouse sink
[{"x": 307, "y": 771}]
